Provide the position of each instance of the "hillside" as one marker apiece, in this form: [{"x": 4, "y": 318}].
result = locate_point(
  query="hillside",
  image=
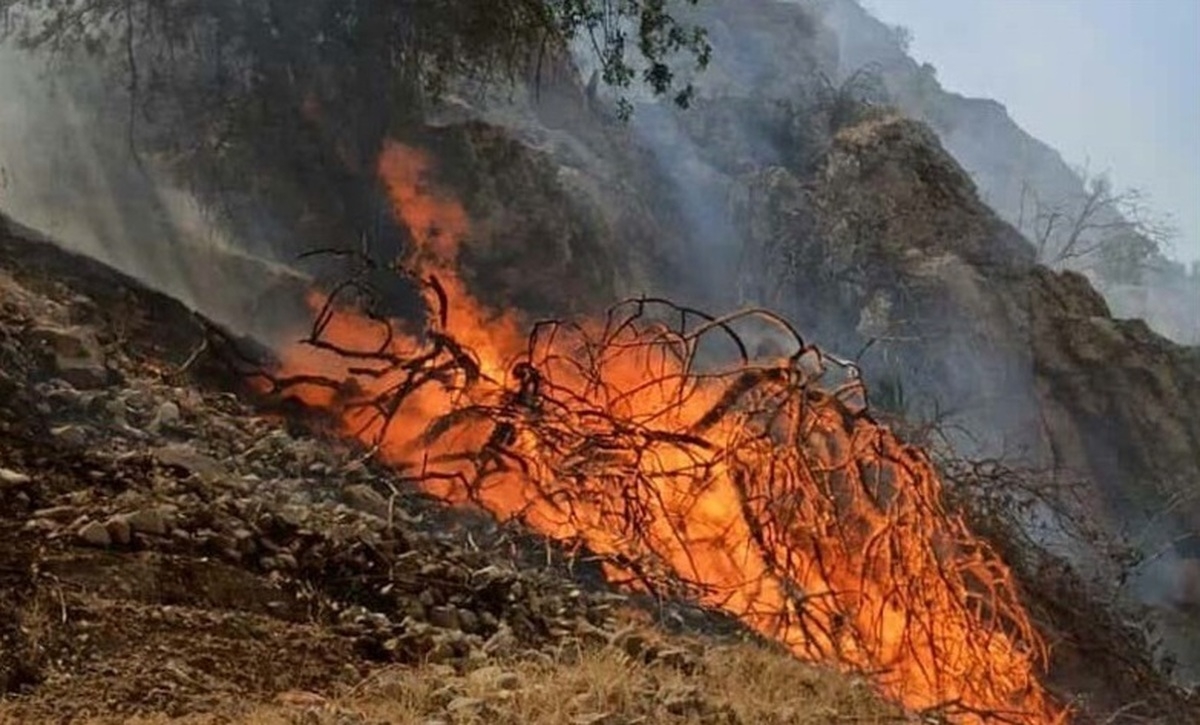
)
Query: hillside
[
  {"x": 174, "y": 553},
  {"x": 170, "y": 553},
  {"x": 250, "y": 459}
]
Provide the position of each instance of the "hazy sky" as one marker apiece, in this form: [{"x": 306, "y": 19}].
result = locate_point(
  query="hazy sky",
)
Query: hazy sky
[{"x": 1115, "y": 83}]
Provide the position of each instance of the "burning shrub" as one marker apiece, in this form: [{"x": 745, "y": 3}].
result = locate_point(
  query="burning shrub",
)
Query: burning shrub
[{"x": 759, "y": 489}]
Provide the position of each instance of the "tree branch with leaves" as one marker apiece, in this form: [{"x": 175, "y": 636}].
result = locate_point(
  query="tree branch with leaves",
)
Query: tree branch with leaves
[{"x": 288, "y": 103}]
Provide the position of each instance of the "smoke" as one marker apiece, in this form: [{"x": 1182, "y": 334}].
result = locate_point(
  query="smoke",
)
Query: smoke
[
  {"x": 68, "y": 170},
  {"x": 763, "y": 53},
  {"x": 701, "y": 193},
  {"x": 1168, "y": 582}
]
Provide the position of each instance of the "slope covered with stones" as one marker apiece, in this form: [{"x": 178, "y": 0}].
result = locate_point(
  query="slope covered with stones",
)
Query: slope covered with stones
[{"x": 165, "y": 550}]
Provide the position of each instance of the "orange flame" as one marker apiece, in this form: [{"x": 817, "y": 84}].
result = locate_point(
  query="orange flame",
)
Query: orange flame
[{"x": 818, "y": 529}]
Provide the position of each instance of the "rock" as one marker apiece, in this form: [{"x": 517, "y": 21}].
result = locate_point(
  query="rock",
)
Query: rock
[
  {"x": 189, "y": 459},
  {"x": 153, "y": 521},
  {"x": 300, "y": 698},
  {"x": 415, "y": 610},
  {"x": 294, "y": 515},
  {"x": 502, "y": 643},
  {"x": 167, "y": 416},
  {"x": 468, "y": 621},
  {"x": 41, "y": 526},
  {"x": 116, "y": 409},
  {"x": 461, "y": 704},
  {"x": 9, "y": 477},
  {"x": 57, "y": 513},
  {"x": 361, "y": 497},
  {"x": 72, "y": 436},
  {"x": 95, "y": 534},
  {"x": 287, "y": 562},
  {"x": 75, "y": 355},
  {"x": 441, "y": 652},
  {"x": 119, "y": 529},
  {"x": 445, "y": 617}
]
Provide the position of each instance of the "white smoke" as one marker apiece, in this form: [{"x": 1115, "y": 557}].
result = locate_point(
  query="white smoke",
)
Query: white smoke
[{"x": 69, "y": 171}]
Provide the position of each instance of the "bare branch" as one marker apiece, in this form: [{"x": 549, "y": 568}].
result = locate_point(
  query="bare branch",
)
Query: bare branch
[{"x": 765, "y": 489}]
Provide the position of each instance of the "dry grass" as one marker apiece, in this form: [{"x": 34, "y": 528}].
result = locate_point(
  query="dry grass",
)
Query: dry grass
[{"x": 729, "y": 684}]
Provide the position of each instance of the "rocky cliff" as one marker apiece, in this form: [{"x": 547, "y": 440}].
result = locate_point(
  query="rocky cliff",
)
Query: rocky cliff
[
  {"x": 1015, "y": 173},
  {"x": 889, "y": 243}
]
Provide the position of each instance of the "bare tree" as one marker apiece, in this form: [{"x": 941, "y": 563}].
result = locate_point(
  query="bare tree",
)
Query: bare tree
[
  {"x": 846, "y": 102},
  {"x": 1107, "y": 230}
]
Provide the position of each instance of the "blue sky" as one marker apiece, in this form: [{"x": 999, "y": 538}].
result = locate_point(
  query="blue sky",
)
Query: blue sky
[{"x": 1111, "y": 83}]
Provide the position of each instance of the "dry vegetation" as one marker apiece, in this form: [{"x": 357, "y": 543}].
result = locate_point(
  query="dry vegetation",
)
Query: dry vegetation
[{"x": 742, "y": 683}]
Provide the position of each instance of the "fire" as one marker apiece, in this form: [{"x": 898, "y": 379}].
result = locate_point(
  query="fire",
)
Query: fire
[{"x": 767, "y": 496}]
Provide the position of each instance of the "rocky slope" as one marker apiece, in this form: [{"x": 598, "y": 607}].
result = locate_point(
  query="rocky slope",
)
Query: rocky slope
[
  {"x": 168, "y": 551},
  {"x": 1032, "y": 358}
]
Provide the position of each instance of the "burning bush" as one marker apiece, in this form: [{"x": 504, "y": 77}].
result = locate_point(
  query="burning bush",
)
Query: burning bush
[{"x": 760, "y": 488}]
